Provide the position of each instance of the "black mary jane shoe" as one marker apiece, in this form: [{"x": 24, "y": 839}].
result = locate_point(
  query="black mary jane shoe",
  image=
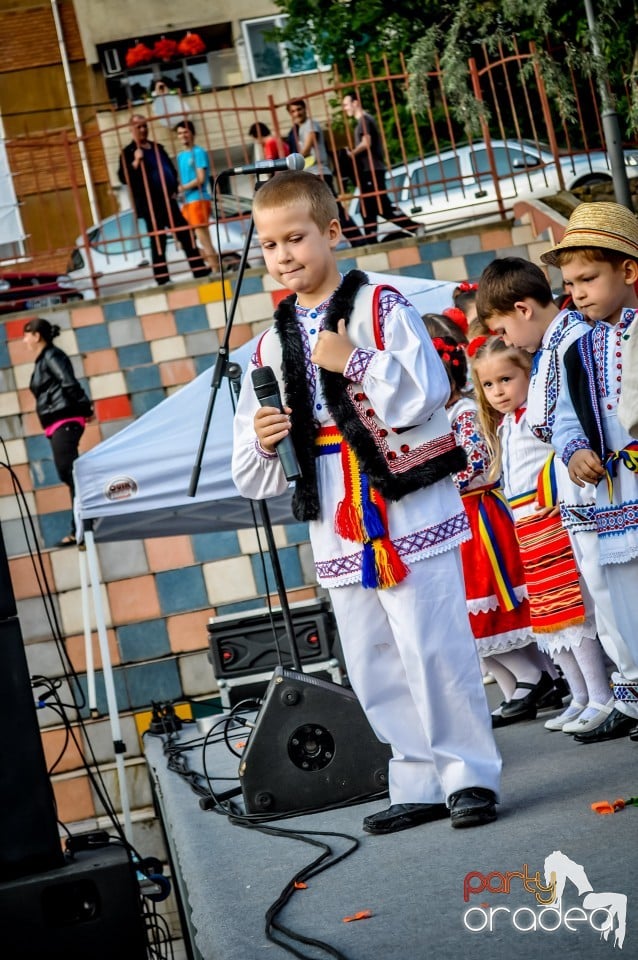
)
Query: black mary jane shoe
[
  {"x": 498, "y": 720},
  {"x": 553, "y": 699},
  {"x": 526, "y": 707},
  {"x": 402, "y": 816}
]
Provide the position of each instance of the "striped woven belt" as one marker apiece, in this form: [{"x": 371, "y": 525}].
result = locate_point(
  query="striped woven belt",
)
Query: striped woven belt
[
  {"x": 503, "y": 586},
  {"x": 628, "y": 456},
  {"x": 328, "y": 440},
  {"x": 523, "y": 499}
]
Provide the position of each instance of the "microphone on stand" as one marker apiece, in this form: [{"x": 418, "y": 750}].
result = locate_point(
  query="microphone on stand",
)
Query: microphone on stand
[
  {"x": 293, "y": 162},
  {"x": 267, "y": 392}
]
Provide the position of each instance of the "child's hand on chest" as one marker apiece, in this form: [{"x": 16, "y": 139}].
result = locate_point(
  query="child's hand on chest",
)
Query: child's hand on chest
[{"x": 333, "y": 350}]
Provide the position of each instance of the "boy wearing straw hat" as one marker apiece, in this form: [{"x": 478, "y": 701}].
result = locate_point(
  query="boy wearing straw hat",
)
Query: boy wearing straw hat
[{"x": 598, "y": 258}]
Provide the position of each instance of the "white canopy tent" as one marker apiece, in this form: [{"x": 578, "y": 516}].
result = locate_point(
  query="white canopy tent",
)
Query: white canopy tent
[{"x": 135, "y": 484}]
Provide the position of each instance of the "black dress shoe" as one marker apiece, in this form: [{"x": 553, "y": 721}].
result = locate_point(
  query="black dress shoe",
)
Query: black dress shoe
[
  {"x": 527, "y": 706},
  {"x": 633, "y": 733},
  {"x": 472, "y": 807},
  {"x": 613, "y": 727},
  {"x": 402, "y": 816},
  {"x": 553, "y": 700}
]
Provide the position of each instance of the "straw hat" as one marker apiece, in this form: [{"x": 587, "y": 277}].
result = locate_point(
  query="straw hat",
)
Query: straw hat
[{"x": 608, "y": 226}]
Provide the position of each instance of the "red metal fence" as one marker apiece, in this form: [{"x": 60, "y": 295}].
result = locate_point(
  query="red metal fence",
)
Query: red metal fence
[{"x": 519, "y": 141}]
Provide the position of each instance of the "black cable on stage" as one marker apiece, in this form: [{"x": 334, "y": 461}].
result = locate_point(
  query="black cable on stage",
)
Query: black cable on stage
[
  {"x": 210, "y": 800},
  {"x": 310, "y": 870}
]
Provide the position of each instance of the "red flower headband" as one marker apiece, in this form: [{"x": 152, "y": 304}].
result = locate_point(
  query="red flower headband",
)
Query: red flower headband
[
  {"x": 456, "y": 315},
  {"x": 475, "y": 345},
  {"x": 466, "y": 287}
]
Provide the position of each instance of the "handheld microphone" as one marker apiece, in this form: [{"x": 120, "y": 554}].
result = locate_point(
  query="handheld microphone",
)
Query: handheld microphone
[
  {"x": 267, "y": 392},
  {"x": 293, "y": 162}
]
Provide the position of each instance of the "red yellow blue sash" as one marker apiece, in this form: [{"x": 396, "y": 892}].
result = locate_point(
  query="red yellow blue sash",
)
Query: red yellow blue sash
[
  {"x": 628, "y": 456},
  {"x": 503, "y": 585},
  {"x": 546, "y": 488},
  {"x": 362, "y": 516},
  {"x": 523, "y": 499}
]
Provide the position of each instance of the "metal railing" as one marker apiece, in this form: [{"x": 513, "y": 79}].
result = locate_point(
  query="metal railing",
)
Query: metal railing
[{"x": 440, "y": 172}]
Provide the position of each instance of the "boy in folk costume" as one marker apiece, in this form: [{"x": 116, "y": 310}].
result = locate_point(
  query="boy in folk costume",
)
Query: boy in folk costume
[
  {"x": 598, "y": 257},
  {"x": 515, "y": 301},
  {"x": 365, "y": 394}
]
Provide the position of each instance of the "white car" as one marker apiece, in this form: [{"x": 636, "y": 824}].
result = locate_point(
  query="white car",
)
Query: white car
[
  {"x": 118, "y": 258},
  {"x": 458, "y": 185}
]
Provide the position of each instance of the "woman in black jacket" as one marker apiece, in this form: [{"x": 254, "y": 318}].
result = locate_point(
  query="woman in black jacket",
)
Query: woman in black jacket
[{"x": 61, "y": 403}]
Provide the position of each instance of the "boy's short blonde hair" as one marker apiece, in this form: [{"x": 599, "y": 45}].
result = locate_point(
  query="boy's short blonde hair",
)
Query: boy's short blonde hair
[
  {"x": 590, "y": 255},
  {"x": 297, "y": 186}
]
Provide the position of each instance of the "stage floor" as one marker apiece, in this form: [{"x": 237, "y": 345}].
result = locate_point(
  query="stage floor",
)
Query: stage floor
[{"x": 427, "y": 889}]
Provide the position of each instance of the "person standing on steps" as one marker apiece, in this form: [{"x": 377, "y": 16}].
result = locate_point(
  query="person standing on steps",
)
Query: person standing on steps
[{"x": 61, "y": 403}]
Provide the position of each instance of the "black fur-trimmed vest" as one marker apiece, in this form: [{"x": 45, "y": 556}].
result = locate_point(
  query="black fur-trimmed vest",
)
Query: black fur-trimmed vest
[{"x": 397, "y": 460}]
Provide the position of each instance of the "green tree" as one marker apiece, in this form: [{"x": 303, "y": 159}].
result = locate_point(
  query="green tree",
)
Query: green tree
[{"x": 347, "y": 32}]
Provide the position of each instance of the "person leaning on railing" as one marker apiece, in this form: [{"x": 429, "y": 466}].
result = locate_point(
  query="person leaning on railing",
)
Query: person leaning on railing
[{"x": 194, "y": 177}]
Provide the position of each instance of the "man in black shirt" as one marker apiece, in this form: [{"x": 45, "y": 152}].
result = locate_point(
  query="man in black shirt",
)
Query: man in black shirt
[{"x": 367, "y": 155}]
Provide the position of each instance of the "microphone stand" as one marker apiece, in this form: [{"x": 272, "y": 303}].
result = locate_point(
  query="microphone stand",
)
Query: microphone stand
[{"x": 223, "y": 368}]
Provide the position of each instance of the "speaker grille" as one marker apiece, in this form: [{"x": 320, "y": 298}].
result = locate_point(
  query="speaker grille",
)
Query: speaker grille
[{"x": 311, "y": 747}]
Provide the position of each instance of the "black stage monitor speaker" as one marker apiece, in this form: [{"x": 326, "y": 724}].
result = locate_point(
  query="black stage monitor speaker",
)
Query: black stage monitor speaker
[
  {"x": 88, "y": 909},
  {"x": 242, "y": 645},
  {"x": 29, "y": 839},
  {"x": 311, "y": 747}
]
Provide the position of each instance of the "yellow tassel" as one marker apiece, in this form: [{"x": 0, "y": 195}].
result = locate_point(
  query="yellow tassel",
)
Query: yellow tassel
[{"x": 391, "y": 570}]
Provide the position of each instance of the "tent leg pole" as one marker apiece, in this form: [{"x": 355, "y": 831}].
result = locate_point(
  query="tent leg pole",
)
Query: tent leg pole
[
  {"x": 107, "y": 667},
  {"x": 88, "y": 635}
]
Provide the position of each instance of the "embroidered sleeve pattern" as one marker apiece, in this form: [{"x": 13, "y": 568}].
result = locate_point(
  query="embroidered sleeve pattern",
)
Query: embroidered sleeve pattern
[
  {"x": 264, "y": 454},
  {"x": 468, "y": 437},
  {"x": 388, "y": 300},
  {"x": 358, "y": 364},
  {"x": 542, "y": 395},
  {"x": 572, "y": 447}
]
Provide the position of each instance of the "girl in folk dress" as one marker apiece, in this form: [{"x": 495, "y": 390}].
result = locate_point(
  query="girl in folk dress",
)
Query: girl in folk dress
[
  {"x": 563, "y": 630},
  {"x": 494, "y": 579}
]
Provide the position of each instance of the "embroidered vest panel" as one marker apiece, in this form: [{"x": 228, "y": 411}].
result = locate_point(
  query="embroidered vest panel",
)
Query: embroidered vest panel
[{"x": 397, "y": 460}]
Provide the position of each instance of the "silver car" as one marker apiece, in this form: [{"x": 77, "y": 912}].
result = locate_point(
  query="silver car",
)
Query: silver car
[
  {"x": 118, "y": 256},
  {"x": 458, "y": 185}
]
